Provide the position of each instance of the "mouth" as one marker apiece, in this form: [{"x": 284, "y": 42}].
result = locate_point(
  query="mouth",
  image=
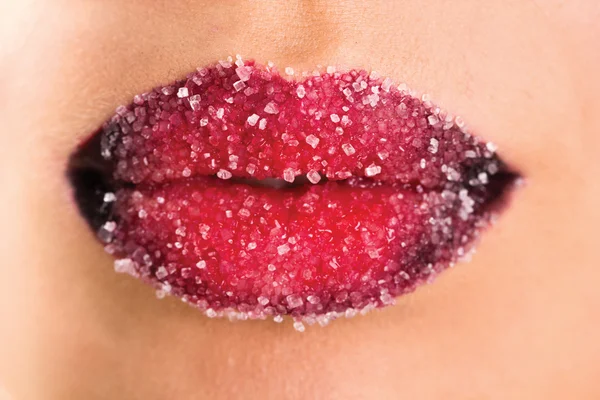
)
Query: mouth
[{"x": 250, "y": 193}]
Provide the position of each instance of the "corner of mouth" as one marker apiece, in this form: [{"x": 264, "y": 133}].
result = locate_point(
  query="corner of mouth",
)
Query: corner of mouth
[{"x": 253, "y": 196}]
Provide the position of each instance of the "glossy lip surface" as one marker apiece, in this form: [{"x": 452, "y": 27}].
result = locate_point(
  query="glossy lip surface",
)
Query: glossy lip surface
[{"x": 251, "y": 195}]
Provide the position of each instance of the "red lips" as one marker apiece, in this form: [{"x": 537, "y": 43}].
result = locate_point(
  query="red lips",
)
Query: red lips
[{"x": 251, "y": 195}]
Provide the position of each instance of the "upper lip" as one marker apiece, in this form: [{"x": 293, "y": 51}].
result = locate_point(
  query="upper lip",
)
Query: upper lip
[{"x": 360, "y": 139}]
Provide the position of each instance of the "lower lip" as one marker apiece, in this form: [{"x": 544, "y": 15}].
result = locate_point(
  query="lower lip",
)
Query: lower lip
[{"x": 371, "y": 222}]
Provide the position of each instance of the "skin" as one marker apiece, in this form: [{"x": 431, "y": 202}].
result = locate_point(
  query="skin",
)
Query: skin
[{"x": 520, "y": 321}]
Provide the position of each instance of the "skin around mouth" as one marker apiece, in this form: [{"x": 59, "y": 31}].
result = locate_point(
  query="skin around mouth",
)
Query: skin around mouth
[{"x": 252, "y": 194}]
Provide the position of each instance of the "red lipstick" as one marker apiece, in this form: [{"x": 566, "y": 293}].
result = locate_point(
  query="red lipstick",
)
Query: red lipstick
[{"x": 252, "y": 195}]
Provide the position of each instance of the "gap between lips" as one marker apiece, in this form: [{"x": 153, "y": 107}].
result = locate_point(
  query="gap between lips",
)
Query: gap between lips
[{"x": 249, "y": 195}]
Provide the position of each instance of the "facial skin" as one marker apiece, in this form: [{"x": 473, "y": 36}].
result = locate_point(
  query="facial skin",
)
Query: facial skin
[{"x": 520, "y": 321}]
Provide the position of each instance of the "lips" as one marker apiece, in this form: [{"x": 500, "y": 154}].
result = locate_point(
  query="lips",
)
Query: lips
[{"x": 253, "y": 195}]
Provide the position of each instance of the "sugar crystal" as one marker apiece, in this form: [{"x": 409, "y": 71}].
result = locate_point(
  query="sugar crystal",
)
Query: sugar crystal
[
  {"x": 372, "y": 170},
  {"x": 272, "y": 108},
  {"x": 239, "y": 85},
  {"x": 194, "y": 102},
  {"x": 109, "y": 197},
  {"x": 262, "y": 124},
  {"x": 183, "y": 92},
  {"x": 299, "y": 326},
  {"x": 348, "y": 149},
  {"x": 283, "y": 249},
  {"x": 294, "y": 301},
  {"x": 125, "y": 265},
  {"x": 313, "y": 176},
  {"x": 289, "y": 175},
  {"x": 224, "y": 174},
  {"x": 161, "y": 272},
  {"x": 433, "y": 145},
  {"x": 243, "y": 73},
  {"x": 312, "y": 141}
]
